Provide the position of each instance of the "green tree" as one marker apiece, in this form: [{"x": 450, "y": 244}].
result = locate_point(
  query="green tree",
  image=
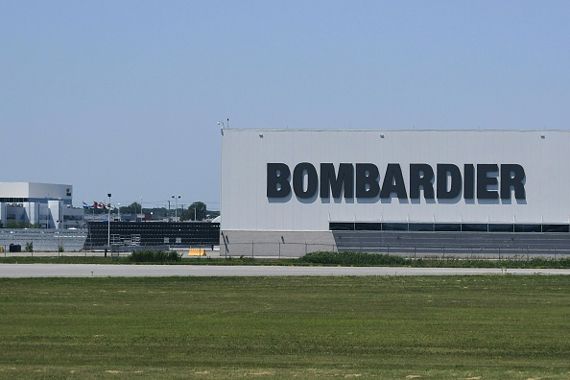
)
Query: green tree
[
  {"x": 133, "y": 208},
  {"x": 17, "y": 224},
  {"x": 196, "y": 211}
]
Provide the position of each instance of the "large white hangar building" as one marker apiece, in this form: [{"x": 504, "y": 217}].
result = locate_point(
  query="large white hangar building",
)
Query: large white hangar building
[{"x": 297, "y": 191}]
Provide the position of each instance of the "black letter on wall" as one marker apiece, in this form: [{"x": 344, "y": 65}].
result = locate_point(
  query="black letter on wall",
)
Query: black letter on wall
[
  {"x": 312, "y": 180},
  {"x": 278, "y": 185},
  {"x": 393, "y": 183},
  {"x": 445, "y": 171},
  {"x": 335, "y": 184},
  {"x": 512, "y": 177},
  {"x": 484, "y": 181},
  {"x": 421, "y": 175},
  {"x": 367, "y": 178},
  {"x": 468, "y": 181}
]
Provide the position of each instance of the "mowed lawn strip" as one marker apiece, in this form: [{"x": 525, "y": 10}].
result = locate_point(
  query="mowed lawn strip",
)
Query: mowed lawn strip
[
  {"x": 357, "y": 259},
  {"x": 308, "y": 327}
]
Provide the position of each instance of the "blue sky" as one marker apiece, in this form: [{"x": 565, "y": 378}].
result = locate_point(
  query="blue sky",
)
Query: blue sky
[{"x": 124, "y": 96}]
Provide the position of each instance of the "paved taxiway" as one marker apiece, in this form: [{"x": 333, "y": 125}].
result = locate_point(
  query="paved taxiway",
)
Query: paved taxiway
[{"x": 97, "y": 270}]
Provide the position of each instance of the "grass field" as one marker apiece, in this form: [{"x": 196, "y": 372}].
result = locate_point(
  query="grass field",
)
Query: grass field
[
  {"x": 384, "y": 327},
  {"x": 312, "y": 259}
]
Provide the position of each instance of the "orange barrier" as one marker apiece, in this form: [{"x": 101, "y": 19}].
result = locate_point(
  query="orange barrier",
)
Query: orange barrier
[{"x": 196, "y": 252}]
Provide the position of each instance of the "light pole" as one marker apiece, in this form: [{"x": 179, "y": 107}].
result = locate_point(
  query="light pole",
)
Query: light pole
[
  {"x": 59, "y": 245},
  {"x": 109, "y": 223},
  {"x": 176, "y": 215},
  {"x": 176, "y": 198},
  {"x": 224, "y": 125}
]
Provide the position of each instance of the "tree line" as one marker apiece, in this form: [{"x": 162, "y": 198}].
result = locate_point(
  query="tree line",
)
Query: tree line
[{"x": 196, "y": 211}]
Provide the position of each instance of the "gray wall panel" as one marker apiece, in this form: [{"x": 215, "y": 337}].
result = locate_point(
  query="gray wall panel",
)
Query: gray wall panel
[{"x": 245, "y": 154}]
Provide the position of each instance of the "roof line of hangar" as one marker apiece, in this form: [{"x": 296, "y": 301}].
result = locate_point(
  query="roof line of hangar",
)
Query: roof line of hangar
[{"x": 391, "y": 130}]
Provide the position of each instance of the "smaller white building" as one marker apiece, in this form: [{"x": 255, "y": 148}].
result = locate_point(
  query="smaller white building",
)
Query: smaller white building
[{"x": 42, "y": 205}]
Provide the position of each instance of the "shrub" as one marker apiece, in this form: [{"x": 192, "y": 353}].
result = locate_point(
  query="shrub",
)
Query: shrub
[
  {"x": 353, "y": 258},
  {"x": 373, "y": 259},
  {"x": 30, "y": 247},
  {"x": 17, "y": 224},
  {"x": 154, "y": 256},
  {"x": 60, "y": 248}
]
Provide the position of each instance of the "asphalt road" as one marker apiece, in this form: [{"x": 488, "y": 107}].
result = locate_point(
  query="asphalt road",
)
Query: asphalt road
[{"x": 94, "y": 270}]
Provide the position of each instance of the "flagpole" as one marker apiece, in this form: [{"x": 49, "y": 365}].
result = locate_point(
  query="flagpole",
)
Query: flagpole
[{"x": 109, "y": 224}]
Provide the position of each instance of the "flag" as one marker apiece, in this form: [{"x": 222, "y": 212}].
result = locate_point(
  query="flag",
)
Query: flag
[{"x": 99, "y": 205}]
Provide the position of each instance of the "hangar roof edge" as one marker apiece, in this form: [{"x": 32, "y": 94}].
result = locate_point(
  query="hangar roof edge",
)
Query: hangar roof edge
[
  {"x": 392, "y": 130},
  {"x": 33, "y": 183}
]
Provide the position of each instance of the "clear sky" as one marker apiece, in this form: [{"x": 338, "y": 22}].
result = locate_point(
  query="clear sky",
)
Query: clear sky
[{"x": 124, "y": 96}]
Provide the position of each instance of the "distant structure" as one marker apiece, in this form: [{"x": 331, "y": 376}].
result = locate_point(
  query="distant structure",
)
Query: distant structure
[
  {"x": 42, "y": 205},
  {"x": 300, "y": 191}
]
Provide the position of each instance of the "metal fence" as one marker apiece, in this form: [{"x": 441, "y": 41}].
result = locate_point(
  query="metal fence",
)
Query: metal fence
[
  {"x": 72, "y": 242},
  {"x": 519, "y": 253},
  {"x": 273, "y": 249},
  {"x": 64, "y": 254},
  {"x": 293, "y": 250},
  {"x": 44, "y": 240}
]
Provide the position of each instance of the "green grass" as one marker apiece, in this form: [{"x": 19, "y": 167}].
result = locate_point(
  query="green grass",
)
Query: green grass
[
  {"x": 368, "y": 259},
  {"x": 311, "y": 259},
  {"x": 163, "y": 257},
  {"x": 506, "y": 327},
  {"x": 128, "y": 260}
]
